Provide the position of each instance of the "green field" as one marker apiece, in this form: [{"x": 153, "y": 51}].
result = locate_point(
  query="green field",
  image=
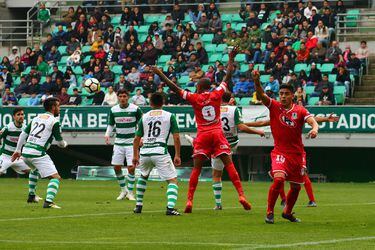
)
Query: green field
[{"x": 91, "y": 218}]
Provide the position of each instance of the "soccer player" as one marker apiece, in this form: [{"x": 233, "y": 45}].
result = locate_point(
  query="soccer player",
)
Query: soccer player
[
  {"x": 10, "y": 134},
  {"x": 155, "y": 127},
  {"x": 231, "y": 120},
  {"x": 124, "y": 117},
  {"x": 307, "y": 182},
  {"x": 35, "y": 140},
  {"x": 210, "y": 141},
  {"x": 287, "y": 121}
]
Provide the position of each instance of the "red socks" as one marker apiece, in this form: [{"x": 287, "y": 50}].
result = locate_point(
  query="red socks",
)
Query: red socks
[
  {"x": 273, "y": 193},
  {"x": 233, "y": 175},
  {"x": 308, "y": 188},
  {"x": 193, "y": 182},
  {"x": 292, "y": 197},
  {"x": 282, "y": 193}
]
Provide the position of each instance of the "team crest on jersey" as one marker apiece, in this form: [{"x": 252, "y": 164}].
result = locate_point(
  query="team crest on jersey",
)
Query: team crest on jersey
[
  {"x": 294, "y": 115},
  {"x": 155, "y": 113},
  {"x": 287, "y": 121}
]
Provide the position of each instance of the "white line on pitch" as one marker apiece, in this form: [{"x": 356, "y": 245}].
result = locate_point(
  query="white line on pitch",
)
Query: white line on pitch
[
  {"x": 220, "y": 244},
  {"x": 160, "y": 211}
]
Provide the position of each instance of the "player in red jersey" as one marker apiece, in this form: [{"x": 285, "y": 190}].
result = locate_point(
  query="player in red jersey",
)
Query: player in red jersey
[
  {"x": 307, "y": 181},
  {"x": 210, "y": 141},
  {"x": 287, "y": 121}
]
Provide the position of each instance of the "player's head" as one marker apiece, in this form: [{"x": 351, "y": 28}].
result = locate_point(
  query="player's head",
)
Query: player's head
[
  {"x": 123, "y": 97},
  {"x": 204, "y": 84},
  {"x": 156, "y": 100},
  {"x": 52, "y": 105},
  {"x": 18, "y": 115},
  {"x": 226, "y": 98},
  {"x": 286, "y": 94}
]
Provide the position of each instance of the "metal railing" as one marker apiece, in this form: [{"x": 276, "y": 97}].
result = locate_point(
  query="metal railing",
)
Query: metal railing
[
  {"x": 354, "y": 26},
  {"x": 19, "y": 31}
]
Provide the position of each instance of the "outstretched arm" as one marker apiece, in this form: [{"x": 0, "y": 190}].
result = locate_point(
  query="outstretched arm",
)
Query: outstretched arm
[
  {"x": 330, "y": 118},
  {"x": 258, "y": 123},
  {"x": 165, "y": 79},
  {"x": 248, "y": 130},
  {"x": 259, "y": 90},
  {"x": 315, "y": 127}
]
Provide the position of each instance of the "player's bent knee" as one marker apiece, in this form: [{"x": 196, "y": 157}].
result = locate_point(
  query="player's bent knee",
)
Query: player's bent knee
[{"x": 117, "y": 168}]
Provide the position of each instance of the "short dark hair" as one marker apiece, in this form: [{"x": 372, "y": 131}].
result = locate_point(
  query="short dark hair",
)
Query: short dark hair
[
  {"x": 16, "y": 110},
  {"x": 287, "y": 86},
  {"x": 205, "y": 83},
  {"x": 227, "y": 96},
  {"x": 122, "y": 91},
  {"x": 157, "y": 99},
  {"x": 50, "y": 102}
]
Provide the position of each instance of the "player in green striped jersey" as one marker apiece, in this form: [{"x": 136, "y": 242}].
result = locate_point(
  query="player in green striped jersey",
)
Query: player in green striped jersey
[
  {"x": 35, "y": 140},
  {"x": 10, "y": 134},
  {"x": 124, "y": 117},
  {"x": 155, "y": 127}
]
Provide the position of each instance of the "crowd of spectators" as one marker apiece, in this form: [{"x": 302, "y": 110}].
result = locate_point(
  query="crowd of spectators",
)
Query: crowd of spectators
[{"x": 278, "y": 40}]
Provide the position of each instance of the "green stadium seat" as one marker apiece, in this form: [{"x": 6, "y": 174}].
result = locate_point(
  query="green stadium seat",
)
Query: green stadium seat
[
  {"x": 339, "y": 92},
  {"x": 205, "y": 67},
  {"x": 86, "y": 102},
  {"x": 207, "y": 38},
  {"x": 244, "y": 67},
  {"x": 225, "y": 58},
  {"x": 86, "y": 49},
  {"x": 70, "y": 90},
  {"x": 239, "y": 26},
  {"x": 150, "y": 19},
  {"x": 237, "y": 18},
  {"x": 215, "y": 57},
  {"x": 77, "y": 70},
  {"x": 117, "y": 69},
  {"x": 221, "y": 47},
  {"x": 240, "y": 58},
  {"x": 245, "y": 101},
  {"x": 86, "y": 59},
  {"x": 165, "y": 68},
  {"x": 301, "y": 66},
  {"x": 143, "y": 29},
  {"x": 259, "y": 67},
  {"x": 63, "y": 60},
  {"x": 116, "y": 20},
  {"x": 352, "y": 17},
  {"x": 309, "y": 90},
  {"x": 164, "y": 58},
  {"x": 263, "y": 46},
  {"x": 27, "y": 70},
  {"x": 16, "y": 80},
  {"x": 62, "y": 50},
  {"x": 264, "y": 26},
  {"x": 183, "y": 80},
  {"x": 264, "y": 78},
  {"x": 142, "y": 37},
  {"x": 79, "y": 80},
  {"x": 332, "y": 78},
  {"x": 210, "y": 48},
  {"x": 313, "y": 101},
  {"x": 226, "y": 18},
  {"x": 326, "y": 67},
  {"x": 23, "y": 101}
]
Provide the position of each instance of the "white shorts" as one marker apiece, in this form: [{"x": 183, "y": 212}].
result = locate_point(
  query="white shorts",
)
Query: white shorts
[
  {"x": 217, "y": 164},
  {"x": 44, "y": 164},
  {"x": 19, "y": 165},
  {"x": 119, "y": 155},
  {"x": 163, "y": 164}
]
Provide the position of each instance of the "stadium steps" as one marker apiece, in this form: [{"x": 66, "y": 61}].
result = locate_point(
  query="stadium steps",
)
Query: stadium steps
[{"x": 365, "y": 94}]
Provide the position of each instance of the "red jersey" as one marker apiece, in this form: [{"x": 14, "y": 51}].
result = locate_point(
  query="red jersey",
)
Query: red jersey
[
  {"x": 206, "y": 107},
  {"x": 286, "y": 127}
]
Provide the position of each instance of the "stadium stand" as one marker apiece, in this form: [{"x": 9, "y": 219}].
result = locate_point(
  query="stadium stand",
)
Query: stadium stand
[{"x": 288, "y": 44}]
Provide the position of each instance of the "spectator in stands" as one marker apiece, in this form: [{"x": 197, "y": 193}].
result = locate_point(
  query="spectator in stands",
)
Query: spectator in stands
[
  {"x": 33, "y": 100},
  {"x": 75, "y": 58},
  {"x": 69, "y": 17},
  {"x": 97, "y": 97},
  {"x": 45, "y": 96},
  {"x": 321, "y": 32},
  {"x": 42, "y": 66},
  {"x": 173, "y": 98},
  {"x": 196, "y": 39},
  {"x": 195, "y": 17},
  {"x": 9, "y": 98},
  {"x": 68, "y": 34},
  {"x": 202, "y": 24},
  {"x": 269, "y": 92},
  {"x": 346, "y": 53},
  {"x": 263, "y": 13},
  {"x": 195, "y": 76},
  {"x": 73, "y": 45},
  {"x": 220, "y": 73},
  {"x": 334, "y": 53},
  {"x": 243, "y": 87},
  {"x": 95, "y": 46},
  {"x": 110, "y": 97},
  {"x": 53, "y": 56},
  {"x": 75, "y": 99},
  {"x": 210, "y": 74},
  {"x": 169, "y": 46},
  {"x": 252, "y": 20},
  {"x": 18, "y": 66},
  {"x": 309, "y": 9},
  {"x": 138, "y": 18},
  {"x": 234, "y": 40},
  {"x": 311, "y": 41},
  {"x": 138, "y": 99},
  {"x": 100, "y": 54},
  {"x": 33, "y": 73},
  {"x": 318, "y": 54},
  {"x": 108, "y": 77},
  {"x": 326, "y": 97},
  {"x": 82, "y": 22},
  {"x": 178, "y": 14},
  {"x": 149, "y": 86},
  {"x": 168, "y": 21},
  {"x": 111, "y": 57},
  {"x": 63, "y": 96},
  {"x": 56, "y": 73},
  {"x": 329, "y": 20},
  {"x": 25, "y": 58},
  {"x": 215, "y": 24},
  {"x": 13, "y": 55},
  {"x": 7, "y": 77},
  {"x": 202, "y": 55},
  {"x": 49, "y": 43},
  {"x": 126, "y": 17},
  {"x": 340, "y": 8},
  {"x": 314, "y": 76},
  {"x": 34, "y": 86},
  {"x": 353, "y": 64},
  {"x": 192, "y": 63},
  {"x": 133, "y": 77},
  {"x": 300, "y": 96},
  {"x": 44, "y": 14},
  {"x": 280, "y": 51},
  {"x": 47, "y": 86},
  {"x": 363, "y": 52},
  {"x": 104, "y": 23},
  {"x": 123, "y": 84},
  {"x": 93, "y": 34},
  {"x": 158, "y": 43},
  {"x": 35, "y": 54},
  {"x": 343, "y": 79},
  {"x": 319, "y": 85},
  {"x": 218, "y": 37},
  {"x": 303, "y": 54},
  {"x": 274, "y": 85},
  {"x": 244, "y": 12},
  {"x": 70, "y": 77}
]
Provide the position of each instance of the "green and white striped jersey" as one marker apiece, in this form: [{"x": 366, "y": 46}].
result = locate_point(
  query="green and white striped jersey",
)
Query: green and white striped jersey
[
  {"x": 41, "y": 131},
  {"x": 10, "y": 134},
  {"x": 155, "y": 127},
  {"x": 230, "y": 117},
  {"x": 125, "y": 120}
]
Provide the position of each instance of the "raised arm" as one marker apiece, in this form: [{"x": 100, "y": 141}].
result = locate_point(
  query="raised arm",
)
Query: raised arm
[
  {"x": 258, "y": 123},
  {"x": 259, "y": 90},
  {"x": 232, "y": 55},
  {"x": 165, "y": 79}
]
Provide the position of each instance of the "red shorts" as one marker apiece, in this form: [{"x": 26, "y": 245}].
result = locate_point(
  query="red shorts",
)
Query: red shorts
[
  {"x": 293, "y": 165},
  {"x": 211, "y": 144}
]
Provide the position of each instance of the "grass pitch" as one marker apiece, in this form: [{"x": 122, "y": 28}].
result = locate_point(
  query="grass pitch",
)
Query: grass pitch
[{"x": 91, "y": 218}]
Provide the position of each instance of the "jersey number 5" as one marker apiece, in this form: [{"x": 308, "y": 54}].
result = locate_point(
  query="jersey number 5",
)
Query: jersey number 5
[
  {"x": 35, "y": 133},
  {"x": 154, "y": 128}
]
